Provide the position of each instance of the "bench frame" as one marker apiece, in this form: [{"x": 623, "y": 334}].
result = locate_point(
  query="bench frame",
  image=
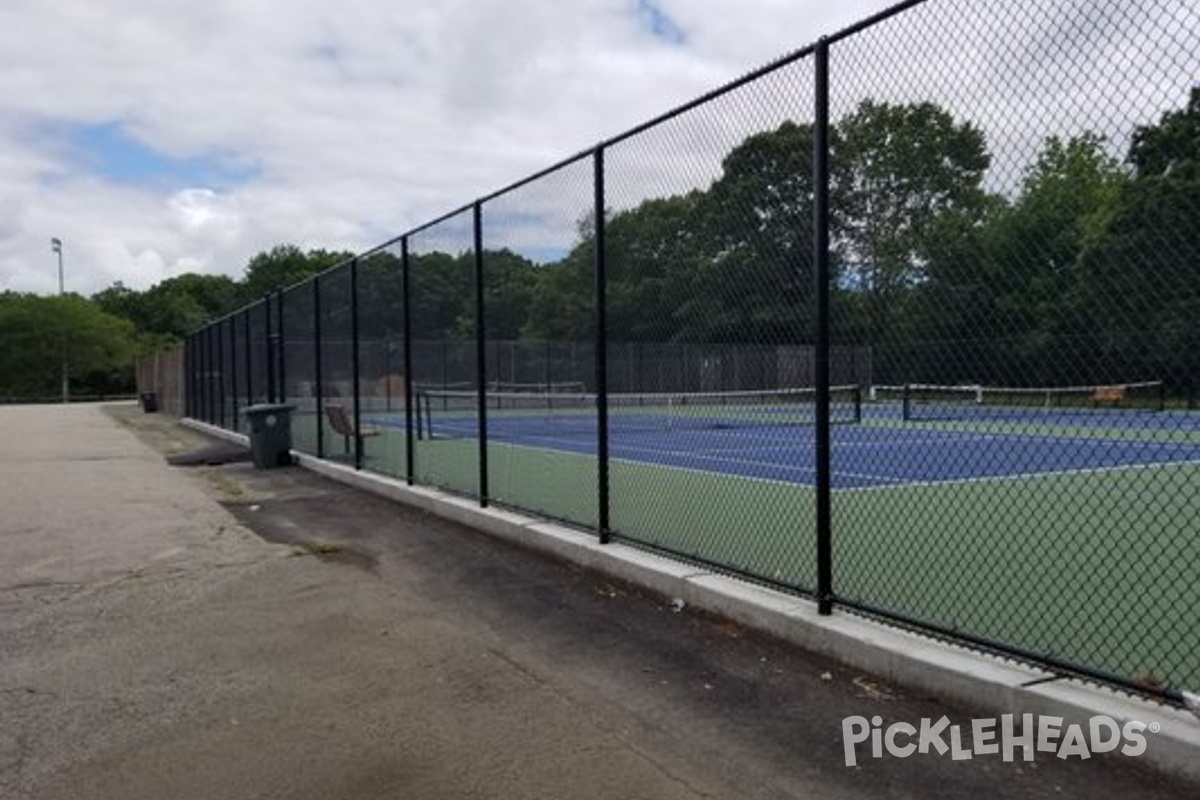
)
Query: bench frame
[
  {"x": 340, "y": 421},
  {"x": 1111, "y": 395}
]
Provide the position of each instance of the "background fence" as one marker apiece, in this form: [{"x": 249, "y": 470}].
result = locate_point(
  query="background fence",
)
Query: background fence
[
  {"x": 906, "y": 322},
  {"x": 162, "y": 374}
]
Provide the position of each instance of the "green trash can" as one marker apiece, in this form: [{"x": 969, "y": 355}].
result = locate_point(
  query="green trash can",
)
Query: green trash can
[{"x": 270, "y": 434}]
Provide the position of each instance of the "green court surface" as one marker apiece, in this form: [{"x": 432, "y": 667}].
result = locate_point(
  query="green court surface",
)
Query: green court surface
[{"x": 1087, "y": 567}]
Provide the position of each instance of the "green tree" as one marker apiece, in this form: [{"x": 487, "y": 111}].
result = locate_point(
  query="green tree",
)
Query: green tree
[
  {"x": 285, "y": 265},
  {"x": 1031, "y": 264},
  {"x": 1139, "y": 284},
  {"x": 903, "y": 176},
  {"x": 1173, "y": 142},
  {"x": 40, "y": 332},
  {"x": 650, "y": 261},
  {"x": 443, "y": 292},
  {"x": 562, "y": 298},
  {"x": 998, "y": 300},
  {"x": 1065, "y": 197},
  {"x": 648, "y": 251},
  {"x": 750, "y": 273},
  {"x": 173, "y": 307}
]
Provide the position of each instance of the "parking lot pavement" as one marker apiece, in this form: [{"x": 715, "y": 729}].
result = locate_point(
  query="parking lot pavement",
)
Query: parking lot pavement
[{"x": 226, "y": 632}]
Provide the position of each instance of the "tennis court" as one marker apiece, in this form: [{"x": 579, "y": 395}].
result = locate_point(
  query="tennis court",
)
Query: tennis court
[
  {"x": 935, "y": 518},
  {"x": 769, "y": 435}
]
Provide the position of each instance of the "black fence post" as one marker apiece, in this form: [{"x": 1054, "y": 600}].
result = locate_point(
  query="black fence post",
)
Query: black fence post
[
  {"x": 233, "y": 376},
  {"x": 318, "y": 373},
  {"x": 269, "y": 351},
  {"x": 481, "y": 355},
  {"x": 249, "y": 347},
  {"x": 280, "y": 349},
  {"x": 406, "y": 310},
  {"x": 211, "y": 369},
  {"x": 821, "y": 262},
  {"x": 202, "y": 374},
  {"x": 601, "y": 355},
  {"x": 354, "y": 365},
  {"x": 198, "y": 374},
  {"x": 187, "y": 376},
  {"x": 219, "y": 332},
  {"x": 201, "y": 366}
]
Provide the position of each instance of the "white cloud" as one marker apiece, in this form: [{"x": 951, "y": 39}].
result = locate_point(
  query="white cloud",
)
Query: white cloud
[
  {"x": 352, "y": 121},
  {"x": 357, "y": 120}
]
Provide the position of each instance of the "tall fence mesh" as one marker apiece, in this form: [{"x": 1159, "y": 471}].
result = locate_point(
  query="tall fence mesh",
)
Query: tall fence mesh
[
  {"x": 990, "y": 206},
  {"x": 538, "y": 272},
  {"x": 978, "y": 222},
  {"x": 443, "y": 280}
]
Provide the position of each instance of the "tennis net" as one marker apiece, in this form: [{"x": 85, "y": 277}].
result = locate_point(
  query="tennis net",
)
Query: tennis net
[
  {"x": 454, "y": 414},
  {"x": 1000, "y": 403},
  {"x": 550, "y": 387}
]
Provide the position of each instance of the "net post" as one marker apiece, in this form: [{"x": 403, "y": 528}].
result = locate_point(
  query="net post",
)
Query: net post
[
  {"x": 601, "y": 354},
  {"x": 406, "y": 310},
  {"x": 820, "y": 156},
  {"x": 417, "y": 429},
  {"x": 480, "y": 352},
  {"x": 318, "y": 374},
  {"x": 354, "y": 365}
]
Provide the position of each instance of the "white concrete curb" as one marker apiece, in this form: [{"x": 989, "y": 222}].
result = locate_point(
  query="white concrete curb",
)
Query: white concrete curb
[{"x": 920, "y": 663}]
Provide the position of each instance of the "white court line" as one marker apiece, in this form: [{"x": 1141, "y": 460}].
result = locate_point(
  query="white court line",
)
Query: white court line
[
  {"x": 887, "y": 481},
  {"x": 702, "y": 456},
  {"x": 1025, "y": 475}
]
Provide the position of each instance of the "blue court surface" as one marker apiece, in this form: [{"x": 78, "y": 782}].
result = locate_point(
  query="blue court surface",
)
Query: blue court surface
[{"x": 882, "y": 451}]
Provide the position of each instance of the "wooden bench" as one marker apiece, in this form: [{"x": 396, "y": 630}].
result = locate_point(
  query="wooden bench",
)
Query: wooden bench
[
  {"x": 340, "y": 421},
  {"x": 1108, "y": 395}
]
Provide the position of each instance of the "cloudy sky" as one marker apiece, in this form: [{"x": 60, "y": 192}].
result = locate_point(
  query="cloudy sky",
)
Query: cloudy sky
[{"x": 156, "y": 137}]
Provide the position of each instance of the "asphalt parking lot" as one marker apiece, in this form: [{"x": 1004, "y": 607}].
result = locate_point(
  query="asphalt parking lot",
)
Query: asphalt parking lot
[{"x": 223, "y": 632}]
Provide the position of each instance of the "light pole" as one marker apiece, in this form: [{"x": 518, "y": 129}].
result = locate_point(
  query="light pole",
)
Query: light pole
[{"x": 56, "y": 246}]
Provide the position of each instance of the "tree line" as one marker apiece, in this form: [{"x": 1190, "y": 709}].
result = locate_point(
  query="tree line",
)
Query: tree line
[
  {"x": 1085, "y": 269},
  {"x": 100, "y": 337}
]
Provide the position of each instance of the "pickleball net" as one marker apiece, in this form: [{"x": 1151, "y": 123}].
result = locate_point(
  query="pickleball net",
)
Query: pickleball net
[
  {"x": 454, "y": 414},
  {"x": 931, "y": 402}
]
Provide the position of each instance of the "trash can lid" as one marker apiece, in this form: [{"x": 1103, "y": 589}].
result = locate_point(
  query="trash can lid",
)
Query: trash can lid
[{"x": 268, "y": 408}]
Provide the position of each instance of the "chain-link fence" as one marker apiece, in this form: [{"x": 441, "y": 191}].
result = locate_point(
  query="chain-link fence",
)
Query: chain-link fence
[
  {"x": 161, "y": 374},
  {"x": 906, "y": 321}
]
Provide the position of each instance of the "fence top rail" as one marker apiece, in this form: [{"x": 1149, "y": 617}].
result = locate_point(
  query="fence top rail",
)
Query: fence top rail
[{"x": 871, "y": 21}]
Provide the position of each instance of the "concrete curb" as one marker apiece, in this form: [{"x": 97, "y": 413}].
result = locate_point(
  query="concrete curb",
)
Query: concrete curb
[{"x": 938, "y": 668}]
